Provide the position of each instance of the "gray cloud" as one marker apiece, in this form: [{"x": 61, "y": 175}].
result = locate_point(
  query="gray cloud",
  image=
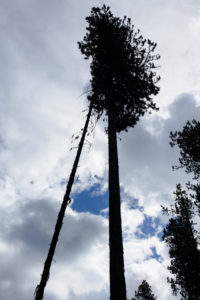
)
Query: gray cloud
[
  {"x": 93, "y": 295},
  {"x": 27, "y": 238},
  {"x": 146, "y": 157}
]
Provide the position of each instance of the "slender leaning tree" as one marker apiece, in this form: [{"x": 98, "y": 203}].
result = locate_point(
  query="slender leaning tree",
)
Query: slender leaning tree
[
  {"x": 39, "y": 291},
  {"x": 123, "y": 80}
]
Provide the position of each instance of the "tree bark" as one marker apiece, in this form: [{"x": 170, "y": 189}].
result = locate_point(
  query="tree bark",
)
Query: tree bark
[
  {"x": 39, "y": 291},
  {"x": 117, "y": 278}
]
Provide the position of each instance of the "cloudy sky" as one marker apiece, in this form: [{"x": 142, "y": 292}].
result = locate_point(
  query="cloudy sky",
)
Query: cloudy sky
[{"x": 42, "y": 78}]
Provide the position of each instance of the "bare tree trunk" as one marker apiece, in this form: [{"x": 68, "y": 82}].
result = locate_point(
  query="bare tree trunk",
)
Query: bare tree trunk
[
  {"x": 39, "y": 291},
  {"x": 117, "y": 279}
]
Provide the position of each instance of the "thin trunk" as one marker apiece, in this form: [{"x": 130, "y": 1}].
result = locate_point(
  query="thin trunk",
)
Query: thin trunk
[
  {"x": 39, "y": 292},
  {"x": 117, "y": 279}
]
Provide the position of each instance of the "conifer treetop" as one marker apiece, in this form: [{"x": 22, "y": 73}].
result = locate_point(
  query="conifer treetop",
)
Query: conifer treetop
[
  {"x": 144, "y": 292},
  {"x": 122, "y": 67}
]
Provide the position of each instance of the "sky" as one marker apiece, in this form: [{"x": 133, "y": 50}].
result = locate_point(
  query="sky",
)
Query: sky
[{"x": 43, "y": 77}]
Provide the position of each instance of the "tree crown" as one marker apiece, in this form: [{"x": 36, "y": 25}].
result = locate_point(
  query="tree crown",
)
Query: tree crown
[
  {"x": 144, "y": 292},
  {"x": 188, "y": 140},
  {"x": 122, "y": 67}
]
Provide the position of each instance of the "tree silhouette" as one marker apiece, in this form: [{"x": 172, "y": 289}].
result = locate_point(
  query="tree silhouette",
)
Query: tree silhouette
[
  {"x": 123, "y": 80},
  {"x": 181, "y": 238},
  {"x": 39, "y": 291},
  {"x": 188, "y": 140},
  {"x": 144, "y": 292}
]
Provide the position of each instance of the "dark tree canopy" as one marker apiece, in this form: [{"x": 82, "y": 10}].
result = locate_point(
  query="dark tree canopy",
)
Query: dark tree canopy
[
  {"x": 182, "y": 241},
  {"x": 122, "y": 67},
  {"x": 188, "y": 140},
  {"x": 144, "y": 292}
]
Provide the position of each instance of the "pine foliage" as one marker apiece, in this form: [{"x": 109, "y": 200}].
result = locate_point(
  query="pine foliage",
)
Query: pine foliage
[{"x": 188, "y": 141}]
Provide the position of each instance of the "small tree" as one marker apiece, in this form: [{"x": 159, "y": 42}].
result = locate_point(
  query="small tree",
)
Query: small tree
[
  {"x": 181, "y": 238},
  {"x": 144, "y": 292},
  {"x": 188, "y": 140},
  {"x": 123, "y": 80}
]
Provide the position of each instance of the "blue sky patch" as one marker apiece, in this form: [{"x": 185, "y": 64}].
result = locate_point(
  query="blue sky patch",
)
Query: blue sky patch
[
  {"x": 90, "y": 201},
  {"x": 155, "y": 254},
  {"x": 149, "y": 228}
]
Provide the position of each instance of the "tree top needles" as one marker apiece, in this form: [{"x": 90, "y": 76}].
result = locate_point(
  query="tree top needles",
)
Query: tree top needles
[{"x": 122, "y": 67}]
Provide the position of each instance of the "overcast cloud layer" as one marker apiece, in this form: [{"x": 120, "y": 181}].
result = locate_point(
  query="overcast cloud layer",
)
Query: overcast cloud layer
[{"x": 42, "y": 76}]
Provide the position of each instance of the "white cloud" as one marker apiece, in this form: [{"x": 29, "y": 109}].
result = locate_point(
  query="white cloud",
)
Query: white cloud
[{"x": 194, "y": 24}]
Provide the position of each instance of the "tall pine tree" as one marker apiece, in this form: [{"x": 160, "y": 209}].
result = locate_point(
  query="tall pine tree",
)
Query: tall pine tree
[
  {"x": 181, "y": 238},
  {"x": 123, "y": 80}
]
